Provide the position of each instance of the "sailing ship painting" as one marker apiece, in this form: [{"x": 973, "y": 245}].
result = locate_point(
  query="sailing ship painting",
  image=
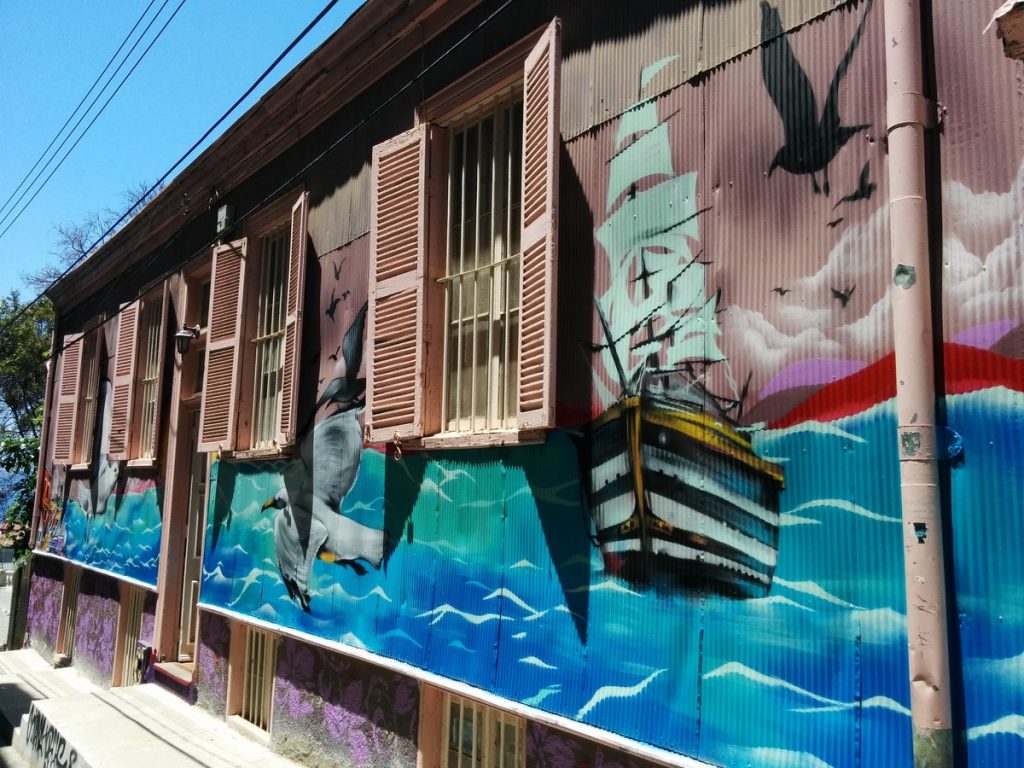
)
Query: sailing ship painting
[{"x": 675, "y": 488}]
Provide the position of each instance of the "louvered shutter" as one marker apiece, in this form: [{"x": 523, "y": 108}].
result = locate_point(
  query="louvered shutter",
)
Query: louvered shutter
[
  {"x": 161, "y": 340},
  {"x": 124, "y": 382},
  {"x": 537, "y": 334},
  {"x": 293, "y": 322},
  {"x": 67, "y": 398},
  {"x": 402, "y": 389},
  {"x": 220, "y": 382}
]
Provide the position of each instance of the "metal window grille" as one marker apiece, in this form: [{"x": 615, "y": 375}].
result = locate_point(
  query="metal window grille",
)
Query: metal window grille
[
  {"x": 258, "y": 682},
  {"x": 69, "y": 608},
  {"x": 483, "y": 268},
  {"x": 89, "y": 393},
  {"x": 131, "y": 657},
  {"x": 479, "y": 736},
  {"x": 269, "y": 339},
  {"x": 150, "y": 376}
]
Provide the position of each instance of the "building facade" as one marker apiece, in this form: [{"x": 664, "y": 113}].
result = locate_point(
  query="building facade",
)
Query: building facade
[{"x": 551, "y": 384}]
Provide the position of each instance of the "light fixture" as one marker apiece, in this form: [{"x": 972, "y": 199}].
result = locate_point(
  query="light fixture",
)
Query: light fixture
[{"x": 183, "y": 337}]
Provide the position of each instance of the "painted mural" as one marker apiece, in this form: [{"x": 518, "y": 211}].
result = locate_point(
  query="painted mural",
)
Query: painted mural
[
  {"x": 712, "y": 563},
  {"x": 104, "y": 517}
]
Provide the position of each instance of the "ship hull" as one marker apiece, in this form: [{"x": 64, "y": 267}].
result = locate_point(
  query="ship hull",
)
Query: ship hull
[{"x": 676, "y": 495}]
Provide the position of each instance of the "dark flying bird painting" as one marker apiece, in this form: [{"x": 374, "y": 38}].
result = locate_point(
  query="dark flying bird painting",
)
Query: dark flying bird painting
[{"x": 811, "y": 142}]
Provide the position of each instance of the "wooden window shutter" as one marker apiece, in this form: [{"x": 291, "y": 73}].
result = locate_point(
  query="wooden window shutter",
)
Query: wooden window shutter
[
  {"x": 537, "y": 335},
  {"x": 293, "y": 321},
  {"x": 67, "y": 398},
  {"x": 161, "y": 338},
  {"x": 403, "y": 390},
  {"x": 220, "y": 383},
  {"x": 123, "y": 395}
]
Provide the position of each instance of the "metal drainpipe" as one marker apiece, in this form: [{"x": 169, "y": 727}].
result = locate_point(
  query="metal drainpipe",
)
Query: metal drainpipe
[{"x": 908, "y": 115}]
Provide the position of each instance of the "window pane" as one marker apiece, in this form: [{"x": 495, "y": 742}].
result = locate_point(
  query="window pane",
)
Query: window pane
[
  {"x": 483, "y": 242},
  {"x": 268, "y": 345}
]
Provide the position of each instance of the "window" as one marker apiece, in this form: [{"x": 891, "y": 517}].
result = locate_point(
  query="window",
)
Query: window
[
  {"x": 138, "y": 378},
  {"x": 259, "y": 668},
  {"x": 463, "y": 242},
  {"x": 254, "y": 334},
  {"x": 482, "y": 277},
  {"x": 77, "y": 391},
  {"x": 477, "y": 736}
]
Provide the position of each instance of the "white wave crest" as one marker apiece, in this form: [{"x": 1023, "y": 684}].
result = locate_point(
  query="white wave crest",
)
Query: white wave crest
[
  {"x": 441, "y": 611},
  {"x": 814, "y": 427},
  {"x": 616, "y": 692},
  {"x": 605, "y": 586},
  {"x": 403, "y": 635},
  {"x": 741, "y": 670},
  {"x": 1009, "y": 725},
  {"x": 512, "y": 597},
  {"x": 788, "y": 519},
  {"x": 875, "y": 702},
  {"x": 524, "y": 564},
  {"x": 814, "y": 590},
  {"x": 533, "y": 661},
  {"x": 845, "y": 506},
  {"x": 349, "y": 639},
  {"x": 1008, "y": 670},
  {"x": 518, "y": 635},
  {"x": 542, "y": 694},
  {"x": 778, "y": 600}
]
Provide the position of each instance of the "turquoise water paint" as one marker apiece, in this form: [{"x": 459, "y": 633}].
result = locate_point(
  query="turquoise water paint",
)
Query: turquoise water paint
[{"x": 490, "y": 577}]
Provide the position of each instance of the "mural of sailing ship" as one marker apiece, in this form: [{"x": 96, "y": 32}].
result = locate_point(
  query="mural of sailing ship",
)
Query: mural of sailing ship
[{"x": 674, "y": 486}]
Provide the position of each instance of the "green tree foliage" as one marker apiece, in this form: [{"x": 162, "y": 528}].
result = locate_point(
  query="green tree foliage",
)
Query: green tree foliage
[{"x": 24, "y": 346}]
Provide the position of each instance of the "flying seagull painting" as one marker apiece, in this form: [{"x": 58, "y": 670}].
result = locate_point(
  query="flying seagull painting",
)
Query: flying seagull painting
[
  {"x": 308, "y": 522},
  {"x": 811, "y": 142}
]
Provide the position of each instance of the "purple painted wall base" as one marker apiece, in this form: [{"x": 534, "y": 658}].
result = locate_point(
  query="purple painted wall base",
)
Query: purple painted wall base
[
  {"x": 213, "y": 646},
  {"x": 99, "y": 605},
  {"x": 333, "y": 711},
  {"x": 550, "y": 748},
  {"x": 44, "y": 596}
]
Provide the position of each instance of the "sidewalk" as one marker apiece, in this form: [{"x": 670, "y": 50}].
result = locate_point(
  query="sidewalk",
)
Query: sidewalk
[{"x": 61, "y": 719}]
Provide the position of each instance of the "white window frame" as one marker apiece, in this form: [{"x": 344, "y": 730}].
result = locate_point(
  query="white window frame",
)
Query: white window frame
[{"x": 490, "y": 750}]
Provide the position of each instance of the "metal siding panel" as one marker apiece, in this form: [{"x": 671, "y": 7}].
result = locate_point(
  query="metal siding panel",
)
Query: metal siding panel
[{"x": 982, "y": 194}]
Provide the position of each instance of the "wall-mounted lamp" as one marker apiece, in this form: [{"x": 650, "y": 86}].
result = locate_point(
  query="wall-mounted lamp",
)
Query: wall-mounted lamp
[{"x": 183, "y": 337}]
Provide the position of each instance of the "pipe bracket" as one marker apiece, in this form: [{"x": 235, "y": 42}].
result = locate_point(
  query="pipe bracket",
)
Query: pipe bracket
[{"x": 908, "y": 108}]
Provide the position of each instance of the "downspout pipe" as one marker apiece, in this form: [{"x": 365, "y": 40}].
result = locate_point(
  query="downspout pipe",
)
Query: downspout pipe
[{"x": 908, "y": 115}]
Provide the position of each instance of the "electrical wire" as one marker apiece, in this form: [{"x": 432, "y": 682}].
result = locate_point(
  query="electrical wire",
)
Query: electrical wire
[
  {"x": 157, "y": 184},
  {"x": 294, "y": 178},
  {"x": 85, "y": 114},
  {"x": 57, "y": 135}
]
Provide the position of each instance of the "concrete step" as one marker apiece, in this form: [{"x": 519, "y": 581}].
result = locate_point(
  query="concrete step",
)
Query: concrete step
[
  {"x": 9, "y": 758},
  {"x": 139, "y": 725}
]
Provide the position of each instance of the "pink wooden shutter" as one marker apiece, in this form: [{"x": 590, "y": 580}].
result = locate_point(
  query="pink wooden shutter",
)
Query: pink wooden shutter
[
  {"x": 293, "y": 322},
  {"x": 537, "y": 332},
  {"x": 67, "y": 398},
  {"x": 124, "y": 382},
  {"x": 161, "y": 340},
  {"x": 397, "y": 379},
  {"x": 220, "y": 385}
]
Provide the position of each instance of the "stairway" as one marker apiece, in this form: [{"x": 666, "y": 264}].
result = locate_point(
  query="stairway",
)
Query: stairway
[{"x": 65, "y": 720}]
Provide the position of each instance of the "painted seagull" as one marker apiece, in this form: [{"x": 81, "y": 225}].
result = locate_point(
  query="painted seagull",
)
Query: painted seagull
[
  {"x": 308, "y": 523},
  {"x": 810, "y": 143},
  {"x": 94, "y": 496}
]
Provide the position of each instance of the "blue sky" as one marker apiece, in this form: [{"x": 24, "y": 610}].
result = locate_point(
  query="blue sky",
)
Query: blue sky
[{"x": 51, "y": 51}]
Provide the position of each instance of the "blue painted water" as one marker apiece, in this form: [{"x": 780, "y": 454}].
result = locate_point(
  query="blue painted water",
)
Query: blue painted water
[{"x": 491, "y": 579}]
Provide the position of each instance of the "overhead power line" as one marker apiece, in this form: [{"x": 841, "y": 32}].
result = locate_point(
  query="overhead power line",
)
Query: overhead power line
[
  {"x": 290, "y": 182},
  {"x": 86, "y": 112},
  {"x": 74, "y": 112}
]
